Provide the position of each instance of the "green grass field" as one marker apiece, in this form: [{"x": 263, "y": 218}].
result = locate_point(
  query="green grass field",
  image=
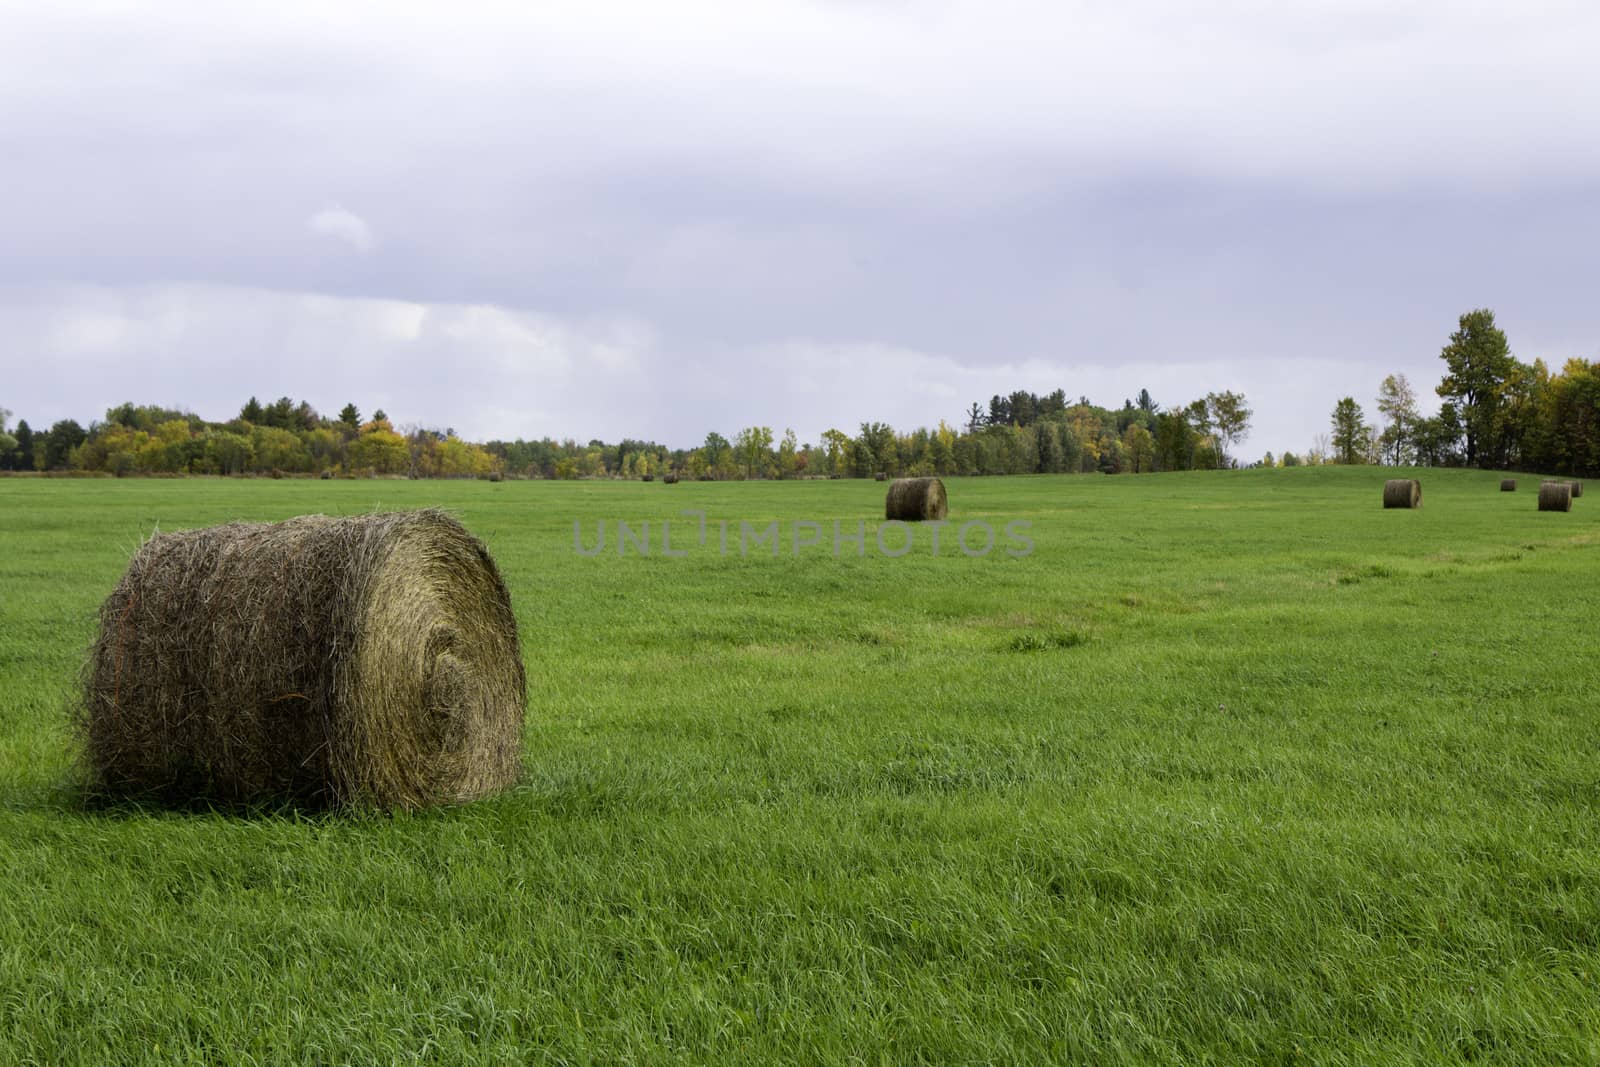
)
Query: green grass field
[{"x": 1234, "y": 766}]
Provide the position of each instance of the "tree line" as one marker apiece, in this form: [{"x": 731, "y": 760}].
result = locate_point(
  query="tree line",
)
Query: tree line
[
  {"x": 1497, "y": 413},
  {"x": 1020, "y": 433}
]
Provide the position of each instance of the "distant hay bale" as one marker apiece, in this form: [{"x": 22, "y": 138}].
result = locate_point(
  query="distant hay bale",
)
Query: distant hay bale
[
  {"x": 1555, "y": 496},
  {"x": 670, "y": 478},
  {"x": 1402, "y": 493},
  {"x": 495, "y": 476},
  {"x": 880, "y": 476},
  {"x": 1577, "y": 489},
  {"x": 326, "y": 476},
  {"x": 1508, "y": 485},
  {"x": 369, "y": 661},
  {"x": 647, "y": 478},
  {"x": 915, "y": 500}
]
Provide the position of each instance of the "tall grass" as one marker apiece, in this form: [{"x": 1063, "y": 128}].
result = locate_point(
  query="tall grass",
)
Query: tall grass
[{"x": 1234, "y": 766}]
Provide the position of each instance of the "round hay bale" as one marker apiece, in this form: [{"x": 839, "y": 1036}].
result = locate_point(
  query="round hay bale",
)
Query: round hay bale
[
  {"x": 368, "y": 661},
  {"x": 915, "y": 500},
  {"x": 1577, "y": 489},
  {"x": 495, "y": 476},
  {"x": 326, "y": 476},
  {"x": 1508, "y": 485},
  {"x": 1555, "y": 496},
  {"x": 880, "y": 476},
  {"x": 647, "y": 478},
  {"x": 1402, "y": 493},
  {"x": 670, "y": 478}
]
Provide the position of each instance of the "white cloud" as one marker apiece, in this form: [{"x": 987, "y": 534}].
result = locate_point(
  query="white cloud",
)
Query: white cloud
[
  {"x": 492, "y": 371},
  {"x": 489, "y": 371},
  {"x": 342, "y": 225}
]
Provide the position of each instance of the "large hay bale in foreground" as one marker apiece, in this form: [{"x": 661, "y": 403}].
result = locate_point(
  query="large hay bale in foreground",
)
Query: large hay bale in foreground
[
  {"x": 915, "y": 500},
  {"x": 370, "y": 660},
  {"x": 1577, "y": 489},
  {"x": 1508, "y": 485},
  {"x": 1402, "y": 493},
  {"x": 1555, "y": 496}
]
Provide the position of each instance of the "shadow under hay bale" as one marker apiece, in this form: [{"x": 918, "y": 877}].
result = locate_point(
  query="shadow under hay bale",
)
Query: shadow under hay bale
[
  {"x": 368, "y": 661},
  {"x": 915, "y": 500},
  {"x": 1508, "y": 485},
  {"x": 1402, "y": 493},
  {"x": 1555, "y": 496},
  {"x": 1577, "y": 489}
]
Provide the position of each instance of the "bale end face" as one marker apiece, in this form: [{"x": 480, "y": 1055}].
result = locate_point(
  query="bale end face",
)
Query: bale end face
[
  {"x": 1555, "y": 496},
  {"x": 1508, "y": 485},
  {"x": 1402, "y": 493},
  {"x": 1577, "y": 489},
  {"x": 916, "y": 500}
]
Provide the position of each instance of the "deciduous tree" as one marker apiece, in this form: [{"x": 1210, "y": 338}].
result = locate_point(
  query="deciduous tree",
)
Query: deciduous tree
[
  {"x": 1397, "y": 402},
  {"x": 1479, "y": 360},
  {"x": 1229, "y": 418}
]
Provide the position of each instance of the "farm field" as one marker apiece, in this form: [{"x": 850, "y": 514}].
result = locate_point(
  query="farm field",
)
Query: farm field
[{"x": 1233, "y": 766}]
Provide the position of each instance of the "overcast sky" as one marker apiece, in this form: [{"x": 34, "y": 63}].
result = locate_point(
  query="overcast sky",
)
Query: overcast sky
[{"x": 598, "y": 219}]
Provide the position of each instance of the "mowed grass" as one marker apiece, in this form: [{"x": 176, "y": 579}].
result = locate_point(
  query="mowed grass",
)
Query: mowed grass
[{"x": 1234, "y": 766}]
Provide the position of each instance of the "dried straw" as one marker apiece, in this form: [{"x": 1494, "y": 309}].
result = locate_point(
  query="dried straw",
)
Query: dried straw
[
  {"x": 370, "y": 660},
  {"x": 915, "y": 500},
  {"x": 1555, "y": 496},
  {"x": 1402, "y": 493}
]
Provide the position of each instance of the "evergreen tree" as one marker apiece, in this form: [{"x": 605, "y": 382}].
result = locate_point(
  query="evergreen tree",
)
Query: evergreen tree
[
  {"x": 1349, "y": 431},
  {"x": 23, "y": 459}
]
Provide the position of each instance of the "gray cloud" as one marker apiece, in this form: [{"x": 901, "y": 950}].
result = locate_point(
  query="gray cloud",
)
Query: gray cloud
[{"x": 611, "y": 219}]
